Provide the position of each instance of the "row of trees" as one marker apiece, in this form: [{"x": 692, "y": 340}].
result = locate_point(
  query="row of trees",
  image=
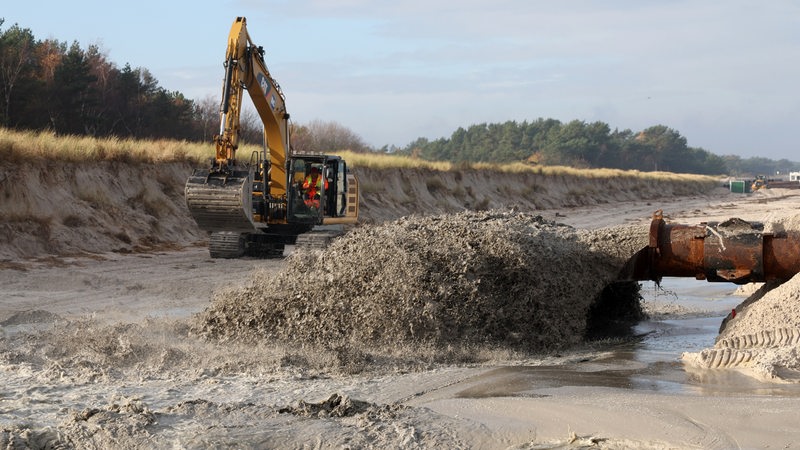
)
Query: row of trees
[
  {"x": 577, "y": 143},
  {"x": 47, "y": 84},
  {"x": 588, "y": 145},
  {"x": 759, "y": 166}
]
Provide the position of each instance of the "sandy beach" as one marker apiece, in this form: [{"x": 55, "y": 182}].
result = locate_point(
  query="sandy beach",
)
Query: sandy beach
[{"x": 100, "y": 353}]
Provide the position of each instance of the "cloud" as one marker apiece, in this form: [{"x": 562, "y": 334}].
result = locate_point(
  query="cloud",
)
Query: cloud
[{"x": 396, "y": 71}]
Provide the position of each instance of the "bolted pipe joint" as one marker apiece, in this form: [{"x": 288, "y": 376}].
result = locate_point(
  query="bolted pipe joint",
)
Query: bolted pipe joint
[{"x": 733, "y": 251}]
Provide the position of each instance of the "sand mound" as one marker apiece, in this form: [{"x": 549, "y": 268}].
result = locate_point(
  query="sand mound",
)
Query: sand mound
[
  {"x": 30, "y": 317},
  {"x": 763, "y": 337},
  {"x": 495, "y": 277}
]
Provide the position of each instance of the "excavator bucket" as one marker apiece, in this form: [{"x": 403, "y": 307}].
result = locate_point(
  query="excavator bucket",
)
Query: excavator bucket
[{"x": 221, "y": 201}]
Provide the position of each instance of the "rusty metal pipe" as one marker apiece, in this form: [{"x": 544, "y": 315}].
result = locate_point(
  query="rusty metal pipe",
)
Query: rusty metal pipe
[{"x": 735, "y": 251}]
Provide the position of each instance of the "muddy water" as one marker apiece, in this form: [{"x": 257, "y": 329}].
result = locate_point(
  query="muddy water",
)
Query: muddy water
[{"x": 687, "y": 317}]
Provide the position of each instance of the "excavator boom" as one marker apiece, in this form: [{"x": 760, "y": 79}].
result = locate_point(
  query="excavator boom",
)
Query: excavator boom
[
  {"x": 220, "y": 197},
  {"x": 245, "y": 69}
]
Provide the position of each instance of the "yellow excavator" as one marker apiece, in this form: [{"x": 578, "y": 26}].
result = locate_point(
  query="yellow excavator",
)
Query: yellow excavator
[
  {"x": 259, "y": 205},
  {"x": 759, "y": 183}
]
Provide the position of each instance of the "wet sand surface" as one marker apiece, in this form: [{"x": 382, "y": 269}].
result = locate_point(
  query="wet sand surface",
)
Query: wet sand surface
[
  {"x": 648, "y": 361},
  {"x": 125, "y": 372}
]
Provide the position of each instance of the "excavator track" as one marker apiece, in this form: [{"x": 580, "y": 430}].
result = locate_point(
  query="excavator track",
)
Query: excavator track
[
  {"x": 221, "y": 202},
  {"x": 227, "y": 244},
  {"x": 316, "y": 239}
]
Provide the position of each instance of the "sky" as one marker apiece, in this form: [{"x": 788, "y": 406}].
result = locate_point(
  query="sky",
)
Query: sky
[{"x": 725, "y": 74}]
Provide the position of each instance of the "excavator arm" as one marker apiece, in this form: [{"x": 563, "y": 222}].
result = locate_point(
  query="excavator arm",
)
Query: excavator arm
[
  {"x": 221, "y": 198},
  {"x": 245, "y": 69}
]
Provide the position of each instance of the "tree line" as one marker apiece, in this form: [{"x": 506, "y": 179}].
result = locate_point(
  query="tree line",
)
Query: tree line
[
  {"x": 587, "y": 145},
  {"x": 47, "y": 84}
]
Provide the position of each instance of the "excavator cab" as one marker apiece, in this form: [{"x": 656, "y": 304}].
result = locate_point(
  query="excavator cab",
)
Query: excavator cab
[{"x": 317, "y": 202}]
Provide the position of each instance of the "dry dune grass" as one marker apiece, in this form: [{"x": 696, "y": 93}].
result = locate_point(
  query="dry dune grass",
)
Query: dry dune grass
[
  {"x": 38, "y": 145},
  {"x": 384, "y": 161},
  {"x": 22, "y": 145},
  {"x": 387, "y": 161}
]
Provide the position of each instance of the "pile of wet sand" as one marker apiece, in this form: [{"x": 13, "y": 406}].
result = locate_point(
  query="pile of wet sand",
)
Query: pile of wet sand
[
  {"x": 762, "y": 336},
  {"x": 500, "y": 278}
]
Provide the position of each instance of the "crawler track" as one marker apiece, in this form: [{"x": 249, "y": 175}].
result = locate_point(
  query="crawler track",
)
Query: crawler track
[
  {"x": 317, "y": 239},
  {"x": 227, "y": 244}
]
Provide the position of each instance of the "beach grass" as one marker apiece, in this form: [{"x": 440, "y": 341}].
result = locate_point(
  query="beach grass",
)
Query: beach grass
[{"x": 37, "y": 145}]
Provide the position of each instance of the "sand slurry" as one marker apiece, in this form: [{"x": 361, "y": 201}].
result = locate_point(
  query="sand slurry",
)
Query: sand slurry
[{"x": 497, "y": 277}]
